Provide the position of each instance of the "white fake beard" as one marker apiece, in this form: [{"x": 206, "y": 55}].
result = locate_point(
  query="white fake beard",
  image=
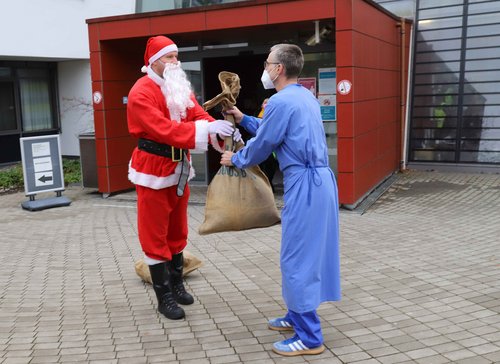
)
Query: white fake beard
[{"x": 177, "y": 91}]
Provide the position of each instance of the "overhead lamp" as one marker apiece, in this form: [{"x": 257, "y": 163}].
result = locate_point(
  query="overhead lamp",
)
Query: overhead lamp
[{"x": 318, "y": 34}]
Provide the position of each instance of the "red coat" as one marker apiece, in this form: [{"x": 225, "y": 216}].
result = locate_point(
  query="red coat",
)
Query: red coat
[{"x": 148, "y": 117}]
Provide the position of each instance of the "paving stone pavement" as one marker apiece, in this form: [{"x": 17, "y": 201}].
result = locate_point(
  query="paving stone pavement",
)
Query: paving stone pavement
[{"x": 420, "y": 274}]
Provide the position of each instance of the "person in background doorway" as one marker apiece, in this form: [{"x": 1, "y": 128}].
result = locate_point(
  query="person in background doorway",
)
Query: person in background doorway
[
  {"x": 309, "y": 257},
  {"x": 164, "y": 115}
]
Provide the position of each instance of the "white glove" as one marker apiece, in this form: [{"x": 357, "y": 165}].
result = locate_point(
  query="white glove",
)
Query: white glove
[
  {"x": 222, "y": 127},
  {"x": 237, "y": 135}
]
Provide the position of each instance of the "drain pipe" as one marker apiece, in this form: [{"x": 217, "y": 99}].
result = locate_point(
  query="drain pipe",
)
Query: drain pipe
[
  {"x": 402, "y": 32},
  {"x": 405, "y": 86}
]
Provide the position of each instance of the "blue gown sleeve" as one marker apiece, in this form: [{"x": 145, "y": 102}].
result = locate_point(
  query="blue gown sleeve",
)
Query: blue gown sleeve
[
  {"x": 250, "y": 123},
  {"x": 270, "y": 134}
]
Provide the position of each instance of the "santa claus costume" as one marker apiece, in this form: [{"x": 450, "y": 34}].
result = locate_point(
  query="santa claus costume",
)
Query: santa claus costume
[{"x": 164, "y": 115}]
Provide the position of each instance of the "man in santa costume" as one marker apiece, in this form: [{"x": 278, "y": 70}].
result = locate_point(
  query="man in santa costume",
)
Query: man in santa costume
[{"x": 164, "y": 115}]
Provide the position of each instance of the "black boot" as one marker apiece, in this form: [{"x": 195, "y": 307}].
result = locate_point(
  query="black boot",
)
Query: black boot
[
  {"x": 166, "y": 303},
  {"x": 175, "y": 268}
]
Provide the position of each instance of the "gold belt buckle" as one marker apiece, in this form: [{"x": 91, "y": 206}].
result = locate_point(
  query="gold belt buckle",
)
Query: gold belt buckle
[{"x": 174, "y": 159}]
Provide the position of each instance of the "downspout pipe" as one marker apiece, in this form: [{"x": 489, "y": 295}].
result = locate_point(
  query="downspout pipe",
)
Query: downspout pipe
[{"x": 404, "y": 101}]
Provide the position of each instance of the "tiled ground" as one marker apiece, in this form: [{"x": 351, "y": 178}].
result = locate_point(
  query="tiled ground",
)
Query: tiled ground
[{"x": 421, "y": 283}]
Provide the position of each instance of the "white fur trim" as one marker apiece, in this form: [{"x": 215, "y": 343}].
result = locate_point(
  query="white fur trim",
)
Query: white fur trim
[
  {"x": 215, "y": 143},
  {"x": 144, "y": 69},
  {"x": 162, "y": 52},
  {"x": 151, "y": 261},
  {"x": 155, "y": 182},
  {"x": 201, "y": 136},
  {"x": 154, "y": 76}
]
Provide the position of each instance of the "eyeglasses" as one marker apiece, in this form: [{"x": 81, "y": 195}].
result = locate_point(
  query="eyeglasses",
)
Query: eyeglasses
[{"x": 266, "y": 63}]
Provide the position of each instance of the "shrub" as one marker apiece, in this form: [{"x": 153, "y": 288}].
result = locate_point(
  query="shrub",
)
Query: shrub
[{"x": 11, "y": 178}]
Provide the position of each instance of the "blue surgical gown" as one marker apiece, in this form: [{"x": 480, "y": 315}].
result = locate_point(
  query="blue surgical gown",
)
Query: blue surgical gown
[{"x": 292, "y": 127}]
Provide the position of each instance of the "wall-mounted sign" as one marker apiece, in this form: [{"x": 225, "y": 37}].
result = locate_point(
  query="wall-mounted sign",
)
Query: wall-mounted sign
[
  {"x": 97, "y": 96},
  {"x": 327, "y": 80},
  {"x": 344, "y": 87},
  {"x": 328, "y": 105},
  {"x": 309, "y": 83}
]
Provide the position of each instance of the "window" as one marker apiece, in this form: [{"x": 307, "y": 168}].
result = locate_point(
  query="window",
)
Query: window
[
  {"x": 456, "y": 94},
  {"x": 144, "y": 6},
  {"x": 7, "y": 107},
  {"x": 36, "y": 108},
  {"x": 27, "y": 97}
]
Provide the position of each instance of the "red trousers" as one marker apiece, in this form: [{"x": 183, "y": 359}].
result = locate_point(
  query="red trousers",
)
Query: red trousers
[{"x": 162, "y": 221}]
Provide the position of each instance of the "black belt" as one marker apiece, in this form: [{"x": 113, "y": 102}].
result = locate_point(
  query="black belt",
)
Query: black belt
[
  {"x": 176, "y": 154},
  {"x": 163, "y": 150}
]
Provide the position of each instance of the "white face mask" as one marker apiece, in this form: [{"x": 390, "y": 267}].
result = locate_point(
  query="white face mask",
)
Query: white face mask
[{"x": 267, "y": 82}]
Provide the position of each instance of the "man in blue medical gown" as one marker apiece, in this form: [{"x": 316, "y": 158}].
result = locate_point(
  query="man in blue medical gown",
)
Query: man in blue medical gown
[{"x": 292, "y": 127}]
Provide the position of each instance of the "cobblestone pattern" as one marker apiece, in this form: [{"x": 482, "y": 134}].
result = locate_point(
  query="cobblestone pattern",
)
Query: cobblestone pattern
[{"x": 420, "y": 274}]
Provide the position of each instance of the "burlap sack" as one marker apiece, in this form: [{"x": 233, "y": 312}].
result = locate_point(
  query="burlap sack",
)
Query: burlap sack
[
  {"x": 190, "y": 264},
  {"x": 239, "y": 199}
]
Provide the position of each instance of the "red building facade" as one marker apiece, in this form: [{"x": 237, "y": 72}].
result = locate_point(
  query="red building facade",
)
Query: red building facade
[{"x": 367, "y": 45}]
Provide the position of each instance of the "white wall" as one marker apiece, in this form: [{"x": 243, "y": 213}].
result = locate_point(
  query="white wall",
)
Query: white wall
[
  {"x": 56, "y": 30},
  {"x": 75, "y": 104},
  {"x": 52, "y": 28}
]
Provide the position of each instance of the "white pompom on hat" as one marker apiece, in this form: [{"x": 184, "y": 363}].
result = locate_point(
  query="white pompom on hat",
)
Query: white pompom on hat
[{"x": 157, "y": 47}]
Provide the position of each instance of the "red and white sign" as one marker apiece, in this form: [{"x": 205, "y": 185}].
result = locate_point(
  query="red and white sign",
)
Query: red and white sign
[
  {"x": 97, "y": 96},
  {"x": 344, "y": 87}
]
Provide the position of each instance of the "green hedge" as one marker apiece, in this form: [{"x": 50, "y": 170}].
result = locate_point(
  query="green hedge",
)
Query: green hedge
[{"x": 11, "y": 178}]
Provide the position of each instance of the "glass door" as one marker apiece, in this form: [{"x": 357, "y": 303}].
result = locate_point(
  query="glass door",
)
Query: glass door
[{"x": 8, "y": 122}]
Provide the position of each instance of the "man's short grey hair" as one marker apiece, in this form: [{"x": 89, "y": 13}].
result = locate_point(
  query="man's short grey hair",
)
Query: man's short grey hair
[{"x": 291, "y": 57}]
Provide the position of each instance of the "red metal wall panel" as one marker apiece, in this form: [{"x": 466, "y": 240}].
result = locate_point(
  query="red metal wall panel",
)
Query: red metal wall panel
[
  {"x": 130, "y": 28},
  {"x": 374, "y": 68},
  {"x": 94, "y": 38},
  {"x": 118, "y": 178},
  {"x": 233, "y": 18},
  {"x": 345, "y": 158},
  {"x": 116, "y": 123},
  {"x": 99, "y": 125},
  {"x": 119, "y": 150},
  {"x": 300, "y": 10},
  {"x": 180, "y": 23}
]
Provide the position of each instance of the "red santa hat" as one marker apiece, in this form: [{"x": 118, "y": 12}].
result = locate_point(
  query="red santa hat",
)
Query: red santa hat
[{"x": 157, "y": 47}]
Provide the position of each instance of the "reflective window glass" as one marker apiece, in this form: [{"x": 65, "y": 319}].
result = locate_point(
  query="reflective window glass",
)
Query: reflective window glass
[
  {"x": 481, "y": 87},
  {"x": 482, "y": 76},
  {"x": 436, "y": 89},
  {"x": 441, "y": 12},
  {"x": 484, "y": 7},
  {"x": 437, "y": 78},
  {"x": 7, "y": 107},
  {"x": 424, "y": 4},
  {"x": 449, "y": 122},
  {"x": 490, "y": 18},
  {"x": 487, "y": 64},
  {"x": 439, "y": 45},
  {"x": 437, "y": 67},
  {"x": 5, "y": 72},
  {"x": 440, "y": 34},
  {"x": 482, "y": 99},
  {"x": 431, "y": 155},
  {"x": 483, "y": 53},
  {"x": 486, "y": 110},
  {"x": 480, "y": 42},
  {"x": 437, "y": 56},
  {"x": 483, "y": 30}
]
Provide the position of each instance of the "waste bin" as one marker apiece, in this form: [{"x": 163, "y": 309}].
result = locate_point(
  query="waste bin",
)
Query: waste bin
[{"x": 88, "y": 160}]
